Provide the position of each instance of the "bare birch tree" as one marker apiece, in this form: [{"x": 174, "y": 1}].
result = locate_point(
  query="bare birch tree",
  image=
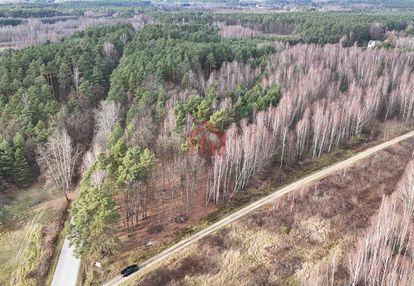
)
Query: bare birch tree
[{"x": 58, "y": 157}]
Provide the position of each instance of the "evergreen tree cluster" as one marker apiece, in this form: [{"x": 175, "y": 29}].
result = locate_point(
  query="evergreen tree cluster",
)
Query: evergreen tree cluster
[
  {"x": 38, "y": 81},
  {"x": 311, "y": 26},
  {"x": 175, "y": 53},
  {"x": 14, "y": 167},
  {"x": 95, "y": 212}
]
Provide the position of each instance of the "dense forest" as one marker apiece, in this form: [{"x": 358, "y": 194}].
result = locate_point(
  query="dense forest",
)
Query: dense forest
[
  {"x": 315, "y": 27},
  {"x": 181, "y": 121},
  {"x": 176, "y": 115},
  {"x": 49, "y": 86}
]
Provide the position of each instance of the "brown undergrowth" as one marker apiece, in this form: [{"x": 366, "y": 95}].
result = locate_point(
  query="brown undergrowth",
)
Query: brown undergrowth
[
  {"x": 282, "y": 243},
  {"x": 141, "y": 244}
]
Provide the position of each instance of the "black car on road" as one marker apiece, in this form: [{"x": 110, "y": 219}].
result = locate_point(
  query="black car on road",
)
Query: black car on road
[{"x": 129, "y": 270}]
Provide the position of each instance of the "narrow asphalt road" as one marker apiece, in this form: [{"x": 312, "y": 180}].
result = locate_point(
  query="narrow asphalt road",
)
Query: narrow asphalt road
[
  {"x": 67, "y": 269},
  {"x": 268, "y": 199}
]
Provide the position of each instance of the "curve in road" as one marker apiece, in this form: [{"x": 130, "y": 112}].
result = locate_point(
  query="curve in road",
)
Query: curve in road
[{"x": 268, "y": 199}]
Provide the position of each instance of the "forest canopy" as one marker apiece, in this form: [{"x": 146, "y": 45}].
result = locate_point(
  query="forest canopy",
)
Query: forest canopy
[{"x": 158, "y": 117}]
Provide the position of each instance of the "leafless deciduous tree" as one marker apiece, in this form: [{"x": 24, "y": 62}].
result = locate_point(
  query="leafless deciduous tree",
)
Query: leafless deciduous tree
[
  {"x": 141, "y": 129},
  {"x": 105, "y": 119},
  {"x": 406, "y": 188},
  {"x": 34, "y": 31},
  {"x": 377, "y": 31},
  {"x": 329, "y": 95},
  {"x": 111, "y": 54},
  {"x": 76, "y": 78},
  {"x": 383, "y": 256},
  {"x": 58, "y": 156},
  {"x": 232, "y": 74},
  {"x": 322, "y": 273},
  {"x": 405, "y": 43},
  {"x": 236, "y": 31}
]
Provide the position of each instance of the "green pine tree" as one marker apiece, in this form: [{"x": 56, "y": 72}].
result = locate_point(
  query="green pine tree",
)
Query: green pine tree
[
  {"x": 203, "y": 111},
  {"x": 21, "y": 169},
  {"x": 218, "y": 119},
  {"x": 6, "y": 161},
  {"x": 85, "y": 90},
  {"x": 95, "y": 219},
  {"x": 41, "y": 132},
  {"x": 179, "y": 112}
]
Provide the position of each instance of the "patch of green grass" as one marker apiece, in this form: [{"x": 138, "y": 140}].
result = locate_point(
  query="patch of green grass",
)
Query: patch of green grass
[
  {"x": 284, "y": 229},
  {"x": 293, "y": 281},
  {"x": 20, "y": 250},
  {"x": 31, "y": 257},
  {"x": 19, "y": 208},
  {"x": 32, "y": 195}
]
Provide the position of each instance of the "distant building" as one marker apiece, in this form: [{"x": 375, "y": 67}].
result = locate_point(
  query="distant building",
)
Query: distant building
[{"x": 373, "y": 44}]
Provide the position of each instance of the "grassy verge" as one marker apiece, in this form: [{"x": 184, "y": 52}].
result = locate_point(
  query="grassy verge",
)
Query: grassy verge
[
  {"x": 30, "y": 257},
  {"x": 20, "y": 251},
  {"x": 29, "y": 235},
  {"x": 81, "y": 277}
]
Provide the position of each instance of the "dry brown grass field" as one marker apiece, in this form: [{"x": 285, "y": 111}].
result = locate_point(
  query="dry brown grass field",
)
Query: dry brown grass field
[
  {"x": 28, "y": 242},
  {"x": 283, "y": 243}
]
